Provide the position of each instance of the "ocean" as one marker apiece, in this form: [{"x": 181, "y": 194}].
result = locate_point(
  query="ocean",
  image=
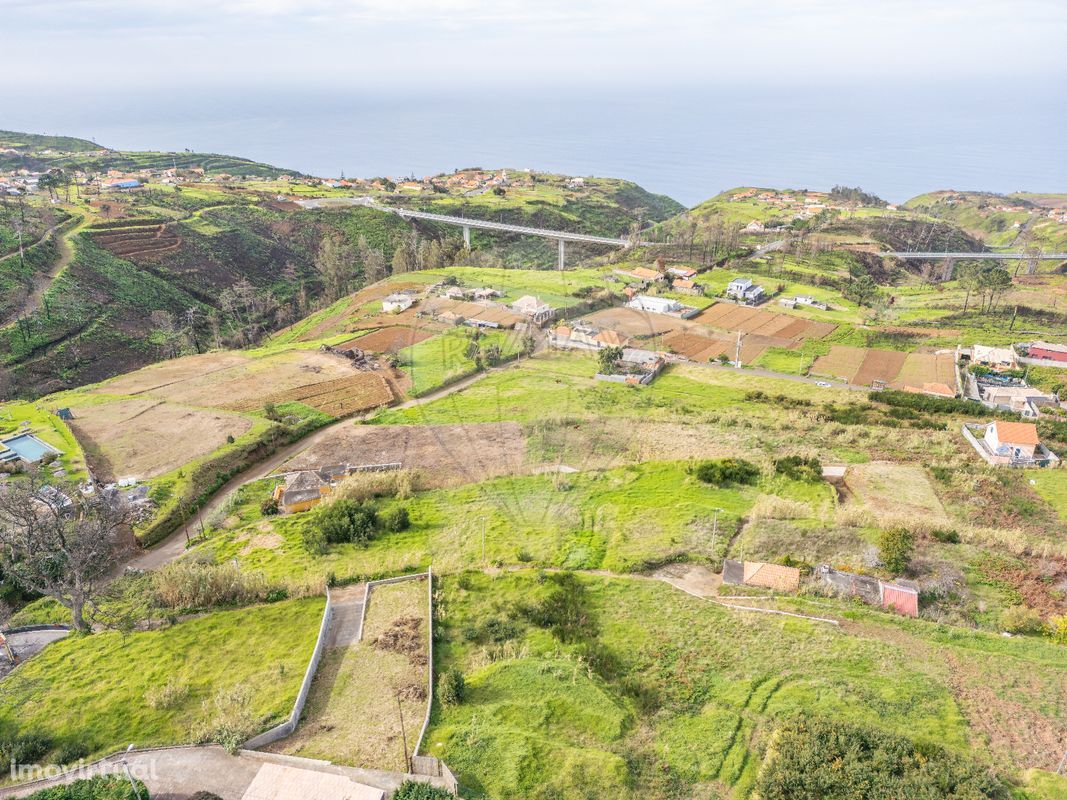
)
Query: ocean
[{"x": 689, "y": 143}]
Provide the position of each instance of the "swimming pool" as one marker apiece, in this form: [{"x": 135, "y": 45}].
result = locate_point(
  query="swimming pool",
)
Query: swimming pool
[{"x": 28, "y": 447}]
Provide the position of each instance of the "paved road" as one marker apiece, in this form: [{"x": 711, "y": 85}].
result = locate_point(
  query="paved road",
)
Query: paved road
[{"x": 28, "y": 644}]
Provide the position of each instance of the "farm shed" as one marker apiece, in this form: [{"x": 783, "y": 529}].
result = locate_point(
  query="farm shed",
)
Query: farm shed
[
  {"x": 759, "y": 573},
  {"x": 1048, "y": 352},
  {"x": 902, "y": 597}
]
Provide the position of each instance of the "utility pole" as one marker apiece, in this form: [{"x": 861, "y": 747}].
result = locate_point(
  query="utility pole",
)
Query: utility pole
[
  {"x": 403, "y": 732},
  {"x": 129, "y": 775}
]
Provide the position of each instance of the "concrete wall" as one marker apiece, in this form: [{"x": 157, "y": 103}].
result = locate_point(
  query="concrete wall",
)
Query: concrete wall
[{"x": 286, "y": 728}]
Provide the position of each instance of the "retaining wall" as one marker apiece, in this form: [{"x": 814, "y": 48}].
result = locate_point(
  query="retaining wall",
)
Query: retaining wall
[{"x": 286, "y": 728}]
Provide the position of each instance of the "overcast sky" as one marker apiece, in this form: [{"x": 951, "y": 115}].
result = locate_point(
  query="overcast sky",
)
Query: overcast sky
[{"x": 361, "y": 44}]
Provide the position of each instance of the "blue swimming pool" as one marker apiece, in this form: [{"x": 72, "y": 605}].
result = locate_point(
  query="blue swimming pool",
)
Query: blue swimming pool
[{"x": 28, "y": 447}]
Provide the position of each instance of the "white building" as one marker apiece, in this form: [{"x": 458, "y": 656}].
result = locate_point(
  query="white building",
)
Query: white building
[
  {"x": 745, "y": 291},
  {"x": 530, "y": 306},
  {"x": 395, "y": 303},
  {"x": 657, "y": 305}
]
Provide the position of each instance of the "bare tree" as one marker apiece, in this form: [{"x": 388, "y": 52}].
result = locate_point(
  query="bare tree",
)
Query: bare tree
[{"x": 57, "y": 542}]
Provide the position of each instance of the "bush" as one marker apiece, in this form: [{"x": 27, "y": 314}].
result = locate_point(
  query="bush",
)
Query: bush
[
  {"x": 493, "y": 630},
  {"x": 1021, "y": 619},
  {"x": 946, "y": 535},
  {"x": 314, "y": 540},
  {"x": 24, "y": 748},
  {"x": 229, "y": 719},
  {"x": 895, "y": 547},
  {"x": 268, "y": 507},
  {"x": 394, "y": 519},
  {"x": 400, "y": 483},
  {"x": 727, "y": 470},
  {"x": 835, "y": 760},
  {"x": 170, "y": 695},
  {"x": 798, "y": 468},
  {"x": 451, "y": 688},
  {"x": 346, "y": 521},
  {"x": 101, "y": 787},
  {"x": 1057, "y": 629},
  {"x": 194, "y": 584},
  {"x": 417, "y": 790}
]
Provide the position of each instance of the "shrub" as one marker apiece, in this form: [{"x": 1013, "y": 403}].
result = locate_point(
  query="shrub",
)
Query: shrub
[
  {"x": 563, "y": 610},
  {"x": 1057, "y": 629},
  {"x": 494, "y": 630},
  {"x": 24, "y": 748},
  {"x": 314, "y": 540},
  {"x": 346, "y": 521},
  {"x": 835, "y": 760},
  {"x": 451, "y": 688},
  {"x": 401, "y": 484},
  {"x": 101, "y": 787},
  {"x": 170, "y": 695},
  {"x": 798, "y": 468},
  {"x": 394, "y": 519},
  {"x": 268, "y": 507},
  {"x": 187, "y": 583},
  {"x": 895, "y": 547},
  {"x": 228, "y": 718},
  {"x": 727, "y": 470},
  {"x": 946, "y": 535},
  {"x": 1021, "y": 619},
  {"x": 417, "y": 790}
]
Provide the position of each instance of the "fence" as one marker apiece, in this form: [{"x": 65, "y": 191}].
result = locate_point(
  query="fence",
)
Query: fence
[
  {"x": 420, "y": 765},
  {"x": 286, "y": 728}
]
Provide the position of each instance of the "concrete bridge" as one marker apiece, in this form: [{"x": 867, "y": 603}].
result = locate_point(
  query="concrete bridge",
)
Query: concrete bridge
[
  {"x": 481, "y": 224},
  {"x": 1001, "y": 256}
]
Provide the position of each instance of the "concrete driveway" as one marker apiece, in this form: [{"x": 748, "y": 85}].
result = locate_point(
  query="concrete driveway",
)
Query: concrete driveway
[
  {"x": 177, "y": 773},
  {"x": 28, "y": 644}
]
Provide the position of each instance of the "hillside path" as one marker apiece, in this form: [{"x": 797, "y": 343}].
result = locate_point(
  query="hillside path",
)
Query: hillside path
[{"x": 42, "y": 281}]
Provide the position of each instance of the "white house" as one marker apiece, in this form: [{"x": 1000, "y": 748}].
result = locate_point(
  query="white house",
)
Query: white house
[
  {"x": 530, "y": 306},
  {"x": 994, "y": 357},
  {"x": 1015, "y": 440},
  {"x": 745, "y": 291},
  {"x": 395, "y": 303},
  {"x": 657, "y": 305}
]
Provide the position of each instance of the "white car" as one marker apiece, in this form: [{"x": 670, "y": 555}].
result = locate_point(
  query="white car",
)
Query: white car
[{"x": 823, "y": 384}]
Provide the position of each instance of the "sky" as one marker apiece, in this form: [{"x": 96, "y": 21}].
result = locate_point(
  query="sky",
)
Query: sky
[{"x": 385, "y": 45}]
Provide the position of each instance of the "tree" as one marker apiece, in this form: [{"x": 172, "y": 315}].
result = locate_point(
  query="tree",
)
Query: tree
[
  {"x": 347, "y": 521},
  {"x": 57, "y": 542},
  {"x": 969, "y": 275},
  {"x": 607, "y": 358},
  {"x": 895, "y": 547},
  {"x": 335, "y": 261},
  {"x": 994, "y": 282},
  {"x": 374, "y": 267}
]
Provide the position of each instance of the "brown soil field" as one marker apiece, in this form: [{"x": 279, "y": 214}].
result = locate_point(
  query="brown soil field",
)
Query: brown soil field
[
  {"x": 696, "y": 347},
  {"x": 145, "y": 438},
  {"x": 444, "y": 455},
  {"x": 640, "y": 324},
  {"x": 879, "y": 365},
  {"x": 249, "y": 381},
  {"x": 170, "y": 372},
  {"x": 358, "y": 391},
  {"x": 920, "y": 368},
  {"x": 388, "y": 340},
  {"x": 842, "y": 362},
  {"x": 731, "y": 317}
]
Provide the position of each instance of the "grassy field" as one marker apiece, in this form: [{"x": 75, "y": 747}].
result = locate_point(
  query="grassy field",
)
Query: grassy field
[
  {"x": 443, "y": 359},
  {"x": 110, "y": 678},
  {"x": 620, "y": 519},
  {"x": 662, "y": 690}
]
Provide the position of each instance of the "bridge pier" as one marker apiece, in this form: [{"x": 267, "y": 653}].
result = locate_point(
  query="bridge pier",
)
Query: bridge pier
[
  {"x": 562, "y": 256},
  {"x": 467, "y": 236}
]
